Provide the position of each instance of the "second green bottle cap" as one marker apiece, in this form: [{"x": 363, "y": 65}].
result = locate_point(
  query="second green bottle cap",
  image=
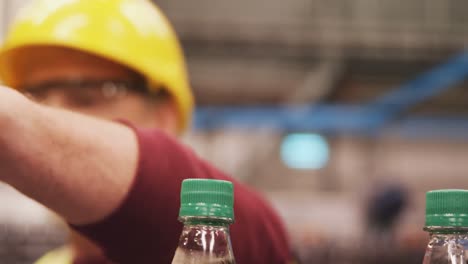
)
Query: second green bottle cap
[
  {"x": 447, "y": 208},
  {"x": 207, "y": 198}
]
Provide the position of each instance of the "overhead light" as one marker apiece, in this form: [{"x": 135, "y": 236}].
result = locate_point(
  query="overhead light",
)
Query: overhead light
[{"x": 305, "y": 151}]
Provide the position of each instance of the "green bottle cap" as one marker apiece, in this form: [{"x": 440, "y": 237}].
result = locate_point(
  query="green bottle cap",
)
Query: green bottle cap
[
  {"x": 447, "y": 208},
  {"x": 207, "y": 198}
]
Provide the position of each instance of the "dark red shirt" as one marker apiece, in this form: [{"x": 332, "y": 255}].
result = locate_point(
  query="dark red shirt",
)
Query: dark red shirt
[{"x": 145, "y": 229}]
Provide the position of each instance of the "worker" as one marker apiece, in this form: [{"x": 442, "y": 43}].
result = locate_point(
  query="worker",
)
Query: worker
[{"x": 96, "y": 94}]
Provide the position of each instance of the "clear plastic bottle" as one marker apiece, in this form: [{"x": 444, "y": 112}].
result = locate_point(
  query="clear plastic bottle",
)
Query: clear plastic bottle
[
  {"x": 206, "y": 211},
  {"x": 447, "y": 224}
]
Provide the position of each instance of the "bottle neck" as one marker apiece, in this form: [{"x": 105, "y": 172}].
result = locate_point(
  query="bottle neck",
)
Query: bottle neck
[
  {"x": 446, "y": 230},
  {"x": 204, "y": 240},
  {"x": 206, "y": 221},
  {"x": 446, "y": 245}
]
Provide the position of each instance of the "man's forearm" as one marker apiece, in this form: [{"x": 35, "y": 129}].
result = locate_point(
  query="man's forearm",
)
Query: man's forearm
[{"x": 76, "y": 165}]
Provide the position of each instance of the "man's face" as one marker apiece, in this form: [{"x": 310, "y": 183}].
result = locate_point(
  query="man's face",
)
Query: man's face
[{"x": 91, "y": 85}]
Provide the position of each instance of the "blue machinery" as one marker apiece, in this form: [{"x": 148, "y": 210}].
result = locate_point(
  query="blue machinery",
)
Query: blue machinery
[{"x": 364, "y": 120}]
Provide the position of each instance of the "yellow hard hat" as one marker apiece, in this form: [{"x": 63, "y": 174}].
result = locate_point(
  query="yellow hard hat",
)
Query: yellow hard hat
[{"x": 133, "y": 33}]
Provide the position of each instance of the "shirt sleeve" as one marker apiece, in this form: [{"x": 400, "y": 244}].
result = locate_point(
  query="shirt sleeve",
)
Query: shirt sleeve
[{"x": 145, "y": 229}]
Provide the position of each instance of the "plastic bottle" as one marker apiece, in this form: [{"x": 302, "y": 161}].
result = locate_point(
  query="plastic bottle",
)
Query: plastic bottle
[
  {"x": 447, "y": 224},
  {"x": 206, "y": 211}
]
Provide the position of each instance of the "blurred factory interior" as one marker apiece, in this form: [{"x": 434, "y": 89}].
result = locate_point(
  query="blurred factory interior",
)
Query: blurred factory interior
[{"x": 325, "y": 107}]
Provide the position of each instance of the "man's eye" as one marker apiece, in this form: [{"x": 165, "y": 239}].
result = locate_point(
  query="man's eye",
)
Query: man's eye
[{"x": 84, "y": 99}]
